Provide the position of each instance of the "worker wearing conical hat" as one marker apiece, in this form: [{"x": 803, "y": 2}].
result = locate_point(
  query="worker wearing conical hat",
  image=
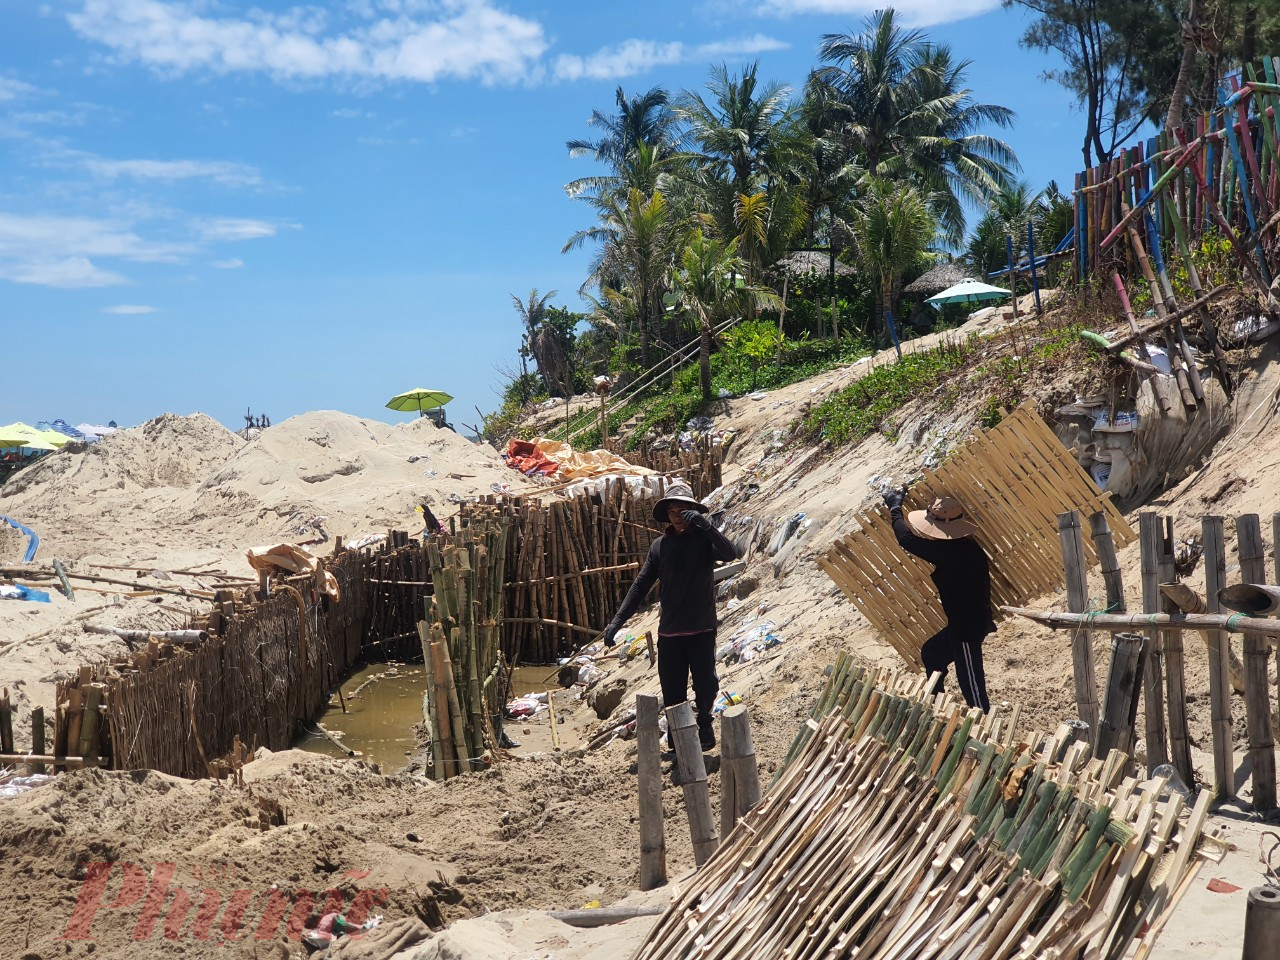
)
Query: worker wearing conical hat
[
  {"x": 942, "y": 535},
  {"x": 683, "y": 559}
]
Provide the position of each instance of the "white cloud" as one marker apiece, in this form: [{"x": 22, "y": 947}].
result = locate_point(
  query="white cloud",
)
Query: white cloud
[
  {"x": 129, "y": 309},
  {"x": 230, "y": 229},
  {"x": 637, "y": 56},
  {"x": 61, "y": 251},
  {"x": 219, "y": 171},
  {"x": 444, "y": 40},
  {"x": 915, "y": 13},
  {"x": 234, "y": 263},
  {"x": 68, "y": 272},
  {"x": 11, "y": 89}
]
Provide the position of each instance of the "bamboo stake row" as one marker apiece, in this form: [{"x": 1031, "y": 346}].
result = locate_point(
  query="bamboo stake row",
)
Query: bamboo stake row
[
  {"x": 571, "y": 566},
  {"x": 902, "y": 826},
  {"x": 466, "y": 672}
]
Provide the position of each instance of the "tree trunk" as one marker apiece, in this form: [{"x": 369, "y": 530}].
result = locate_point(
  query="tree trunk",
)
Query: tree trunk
[
  {"x": 643, "y": 316},
  {"x": 831, "y": 273},
  {"x": 1190, "y": 40},
  {"x": 704, "y": 358}
]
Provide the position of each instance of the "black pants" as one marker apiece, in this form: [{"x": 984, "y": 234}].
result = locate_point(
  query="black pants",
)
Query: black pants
[
  {"x": 680, "y": 657},
  {"x": 964, "y": 649}
]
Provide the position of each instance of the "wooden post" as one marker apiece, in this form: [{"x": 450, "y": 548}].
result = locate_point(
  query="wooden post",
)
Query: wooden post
[
  {"x": 653, "y": 844},
  {"x": 1105, "y": 546},
  {"x": 37, "y": 736},
  {"x": 1257, "y": 690},
  {"x": 1120, "y": 708},
  {"x": 739, "y": 776},
  {"x": 1150, "y": 535},
  {"x": 264, "y": 584},
  {"x": 1073, "y": 564},
  {"x": 693, "y": 781},
  {"x": 1215, "y": 575}
]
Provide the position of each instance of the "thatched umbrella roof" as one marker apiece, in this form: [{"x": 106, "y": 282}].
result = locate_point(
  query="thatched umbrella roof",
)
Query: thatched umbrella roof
[
  {"x": 936, "y": 280},
  {"x": 813, "y": 261}
]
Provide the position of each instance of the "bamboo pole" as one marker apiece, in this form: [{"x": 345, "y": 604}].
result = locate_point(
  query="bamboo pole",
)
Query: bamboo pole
[
  {"x": 1236, "y": 623},
  {"x": 6, "y": 722},
  {"x": 1215, "y": 575},
  {"x": 653, "y": 848},
  {"x": 37, "y": 736},
  {"x": 693, "y": 781},
  {"x": 1171, "y": 641},
  {"x": 431, "y": 713},
  {"x": 1149, "y": 536},
  {"x": 1104, "y": 546},
  {"x": 1257, "y": 688},
  {"x": 1073, "y": 564}
]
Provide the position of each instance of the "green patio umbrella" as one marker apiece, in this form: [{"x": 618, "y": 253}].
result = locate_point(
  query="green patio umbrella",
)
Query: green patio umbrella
[
  {"x": 419, "y": 399},
  {"x": 24, "y": 435},
  {"x": 967, "y": 291}
]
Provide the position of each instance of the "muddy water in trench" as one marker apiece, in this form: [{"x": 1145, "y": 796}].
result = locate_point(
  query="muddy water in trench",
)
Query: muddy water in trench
[{"x": 384, "y": 702}]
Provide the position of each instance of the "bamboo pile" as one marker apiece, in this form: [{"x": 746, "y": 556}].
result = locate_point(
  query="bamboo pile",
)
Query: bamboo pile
[
  {"x": 700, "y": 467},
  {"x": 571, "y": 564},
  {"x": 902, "y": 827},
  {"x": 466, "y": 674},
  {"x": 1013, "y": 481}
]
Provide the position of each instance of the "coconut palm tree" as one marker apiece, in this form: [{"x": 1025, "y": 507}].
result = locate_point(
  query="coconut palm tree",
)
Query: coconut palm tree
[
  {"x": 539, "y": 341},
  {"x": 643, "y": 119},
  {"x": 892, "y": 226},
  {"x": 899, "y": 103},
  {"x": 735, "y": 127},
  {"x": 706, "y": 286}
]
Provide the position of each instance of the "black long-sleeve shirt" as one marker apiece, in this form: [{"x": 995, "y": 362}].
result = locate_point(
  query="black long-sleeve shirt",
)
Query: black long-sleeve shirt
[
  {"x": 960, "y": 574},
  {"x": 684, "y": 562}
]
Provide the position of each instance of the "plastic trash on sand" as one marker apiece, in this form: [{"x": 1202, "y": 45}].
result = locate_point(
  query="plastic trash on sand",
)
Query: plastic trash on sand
[
  {"x": 529, "y": 705},
  {"x": 15, "y": 786},
  {"x": 724, "y": 700},
  {"x": 19, "y": 592}
]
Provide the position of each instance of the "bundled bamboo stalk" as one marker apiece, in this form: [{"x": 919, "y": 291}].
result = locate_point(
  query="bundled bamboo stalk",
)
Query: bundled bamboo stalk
[{"x": 903, "y": 827}]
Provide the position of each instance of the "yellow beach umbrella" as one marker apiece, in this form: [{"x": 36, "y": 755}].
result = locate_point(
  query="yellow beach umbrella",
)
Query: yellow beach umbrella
[{"x": 25, "y": 435}]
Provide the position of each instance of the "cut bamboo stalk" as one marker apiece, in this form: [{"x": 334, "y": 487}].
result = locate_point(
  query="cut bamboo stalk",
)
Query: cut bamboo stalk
[
  {"x": 653, "y": 848},
  {"x": 693, "y": 781},
  {"x": 739, "y": 775},
  {"x": 1073, "y": 564},
  {"x": 1257, "y": 688},
  {"x": 1104, "y": 545},
  {"x": 37, "y": 736},
  {"x": 1175, "y": 673},
  {"x": 1220, "y": 652}
]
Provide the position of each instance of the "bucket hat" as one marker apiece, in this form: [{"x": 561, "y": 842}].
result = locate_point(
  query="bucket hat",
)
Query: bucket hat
[
  {"x": 678, "y": 494},
  {"x": 943, "y": 519}
]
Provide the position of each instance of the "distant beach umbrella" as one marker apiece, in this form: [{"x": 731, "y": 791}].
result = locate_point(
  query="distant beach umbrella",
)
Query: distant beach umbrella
[
  {"x": 967, "y": 291},
  {"x": 419, "y": 399},
  {"x": 25, "y": 435}
]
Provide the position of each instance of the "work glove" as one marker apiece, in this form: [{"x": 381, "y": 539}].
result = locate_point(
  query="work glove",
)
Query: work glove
[
  {"x": 893, "y": 499},
  {"x": 609, "y": 633},
  {"x": 696, "y": 519}
]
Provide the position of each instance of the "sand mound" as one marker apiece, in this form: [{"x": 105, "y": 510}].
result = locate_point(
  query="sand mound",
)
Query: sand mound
[{"x": 169, "y": 451}]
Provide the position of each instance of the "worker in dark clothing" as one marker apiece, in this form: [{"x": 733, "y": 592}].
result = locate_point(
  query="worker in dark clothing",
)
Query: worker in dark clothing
[
  {"x": 942, "y": 536},
  {"x": 683, "y": 559}
]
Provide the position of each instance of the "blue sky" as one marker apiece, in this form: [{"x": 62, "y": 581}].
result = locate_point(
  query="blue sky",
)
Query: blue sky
[{"x": 209, "y": 205}]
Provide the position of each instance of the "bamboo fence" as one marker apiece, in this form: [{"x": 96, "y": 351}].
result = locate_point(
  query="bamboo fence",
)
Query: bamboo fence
[
  {"x": 902, "y": 827},
  {"x": 1159, "y": 202},
  {"x": 1013, "y": 481},
  {"x": 258, "y": 664}
]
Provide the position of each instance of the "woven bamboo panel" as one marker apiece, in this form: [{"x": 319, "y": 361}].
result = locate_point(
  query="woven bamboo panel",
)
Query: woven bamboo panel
[{"x": 1013, "y": 480}]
